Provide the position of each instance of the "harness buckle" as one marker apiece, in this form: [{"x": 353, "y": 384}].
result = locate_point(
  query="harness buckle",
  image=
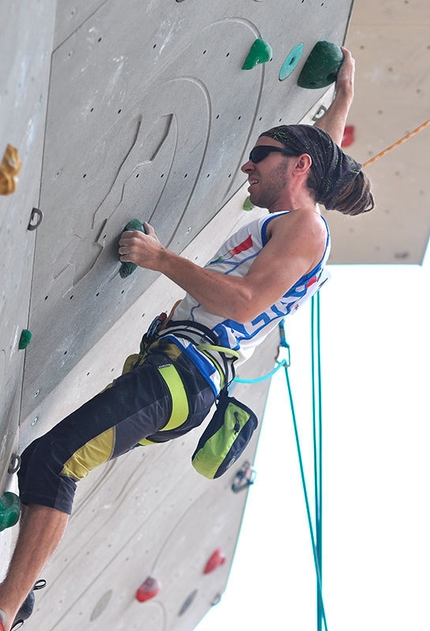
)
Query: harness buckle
[{"x": 152, "y": 331}]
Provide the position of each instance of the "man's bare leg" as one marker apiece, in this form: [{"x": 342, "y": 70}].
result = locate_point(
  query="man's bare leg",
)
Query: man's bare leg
[{"x": 41, "y": 531}]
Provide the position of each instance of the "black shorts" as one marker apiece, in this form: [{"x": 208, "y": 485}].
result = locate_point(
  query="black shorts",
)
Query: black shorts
[{"x": 163, "y": 398}]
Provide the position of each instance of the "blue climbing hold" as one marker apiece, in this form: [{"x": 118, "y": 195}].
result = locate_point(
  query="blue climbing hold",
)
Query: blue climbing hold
[{"x": 291, "y": 61}]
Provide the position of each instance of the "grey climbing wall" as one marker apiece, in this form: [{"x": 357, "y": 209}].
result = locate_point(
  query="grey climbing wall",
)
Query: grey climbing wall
[
  {"x": 150, "y": 115},
  {"x": 24, "y": 79}
]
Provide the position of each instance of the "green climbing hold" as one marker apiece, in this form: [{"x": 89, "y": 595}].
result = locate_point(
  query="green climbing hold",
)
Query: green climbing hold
[
  {"x": 321, "y": 67},
  {"x": 128, "y": 268},
  {"x": 25, "y": 339},
  {"x": 10, "y": 508},
  {"x": 247, "y": 204},
  {"x": 259, "y": 53}
]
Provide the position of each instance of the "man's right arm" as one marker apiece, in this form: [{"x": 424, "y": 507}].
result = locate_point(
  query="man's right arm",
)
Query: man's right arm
[
  {"x": 334, "y": 119},
  {"x": 295, "y": 245}
]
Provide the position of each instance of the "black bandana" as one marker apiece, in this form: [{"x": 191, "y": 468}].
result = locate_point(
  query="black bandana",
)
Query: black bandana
[{"x": 332, "y": 168}]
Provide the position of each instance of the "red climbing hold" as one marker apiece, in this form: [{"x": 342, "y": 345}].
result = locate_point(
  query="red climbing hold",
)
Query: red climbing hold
[
  {"x": 218, "y": 558},
  {"x": 348, "y": 136},
  {"x": 149, "y": 589}
]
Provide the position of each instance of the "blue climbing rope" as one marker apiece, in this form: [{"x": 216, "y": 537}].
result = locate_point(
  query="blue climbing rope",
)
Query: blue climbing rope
[
  {"x": 317, "y": 436},
  {"x": 316, "y": 536},
  {"x": 264, "y": 377}
]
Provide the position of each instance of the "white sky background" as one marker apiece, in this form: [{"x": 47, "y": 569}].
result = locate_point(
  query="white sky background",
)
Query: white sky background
[{"x": 376, "y": 521}]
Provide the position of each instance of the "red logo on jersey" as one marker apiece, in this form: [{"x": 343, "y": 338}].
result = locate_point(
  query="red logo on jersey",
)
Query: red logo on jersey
[{"x": 245, "y": 245}]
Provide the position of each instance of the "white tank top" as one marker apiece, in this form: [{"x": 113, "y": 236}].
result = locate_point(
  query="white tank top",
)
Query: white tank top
[{"x": 235, "y": 257}]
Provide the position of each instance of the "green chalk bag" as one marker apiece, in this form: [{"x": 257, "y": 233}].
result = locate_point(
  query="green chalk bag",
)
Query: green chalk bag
[{"x": 225, "y": 438}]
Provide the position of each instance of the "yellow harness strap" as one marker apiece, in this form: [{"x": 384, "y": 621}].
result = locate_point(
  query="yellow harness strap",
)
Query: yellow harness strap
[
  {"x": 204, "y": 348},
  {"x": 220, "y": 349},
  {"x": 180, "y": 407}
]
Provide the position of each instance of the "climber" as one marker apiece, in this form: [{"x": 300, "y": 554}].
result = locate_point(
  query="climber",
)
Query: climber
[{"x": 257, "y": 277}]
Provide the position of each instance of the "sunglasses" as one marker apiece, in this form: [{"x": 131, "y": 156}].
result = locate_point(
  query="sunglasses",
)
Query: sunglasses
[{"x": 262, "y": 151}]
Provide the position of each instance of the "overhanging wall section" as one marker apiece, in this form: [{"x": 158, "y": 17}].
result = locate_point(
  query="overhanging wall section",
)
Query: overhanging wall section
[{"x": 150, "y": 115}]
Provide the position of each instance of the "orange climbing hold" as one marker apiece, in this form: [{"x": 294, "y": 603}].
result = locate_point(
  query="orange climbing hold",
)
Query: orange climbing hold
[{"x": 9, "y": 170}]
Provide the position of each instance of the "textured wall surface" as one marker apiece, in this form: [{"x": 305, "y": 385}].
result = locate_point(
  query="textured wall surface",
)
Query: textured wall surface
[
  {"x": 24, "y": 82},
  {"x": 150, "y": 115},
  {"x": 121, "y": 110}
]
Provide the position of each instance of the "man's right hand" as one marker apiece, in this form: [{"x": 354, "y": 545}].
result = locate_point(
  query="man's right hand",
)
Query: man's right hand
[
  {"x": 345, "y": 77},
  {"x": 334, "y": 120}
]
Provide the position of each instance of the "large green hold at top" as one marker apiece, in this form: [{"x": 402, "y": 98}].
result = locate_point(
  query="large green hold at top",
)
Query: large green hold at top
[{"x": 321, "y": 67}]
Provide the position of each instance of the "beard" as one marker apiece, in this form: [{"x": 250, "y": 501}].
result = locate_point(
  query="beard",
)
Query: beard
[{"x": 268, "y": 192}]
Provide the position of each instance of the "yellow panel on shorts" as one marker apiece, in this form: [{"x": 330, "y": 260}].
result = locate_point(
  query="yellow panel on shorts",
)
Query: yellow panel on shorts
[{"x": 91, "y": 455}]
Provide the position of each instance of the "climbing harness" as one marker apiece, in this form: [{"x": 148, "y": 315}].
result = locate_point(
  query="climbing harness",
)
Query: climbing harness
[
  {"x": 231, "y": 427},
  {"x": 397, "y": 144}
]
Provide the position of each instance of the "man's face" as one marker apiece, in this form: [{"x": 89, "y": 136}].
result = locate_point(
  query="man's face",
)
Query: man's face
[{"x": 267, "y": 178}]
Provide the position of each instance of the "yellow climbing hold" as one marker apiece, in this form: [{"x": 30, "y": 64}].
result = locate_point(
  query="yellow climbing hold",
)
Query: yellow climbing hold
[{"x": 9, "y": 169}]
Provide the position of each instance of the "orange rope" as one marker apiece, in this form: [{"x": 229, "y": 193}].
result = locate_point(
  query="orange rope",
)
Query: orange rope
[{"x": 396, "y": 144}]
